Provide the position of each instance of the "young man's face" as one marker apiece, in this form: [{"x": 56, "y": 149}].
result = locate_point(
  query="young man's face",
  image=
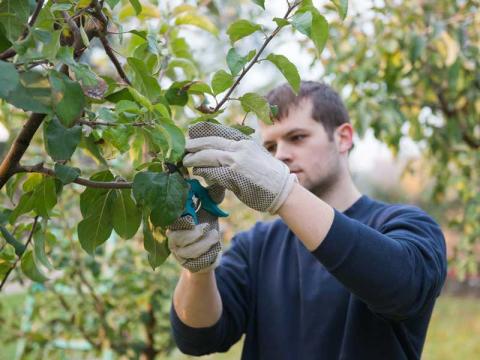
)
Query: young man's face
[{"x": 303, "y": 144}]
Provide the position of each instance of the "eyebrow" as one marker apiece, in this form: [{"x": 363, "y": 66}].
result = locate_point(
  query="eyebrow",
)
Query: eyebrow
[{"x": 285, "y": 136}]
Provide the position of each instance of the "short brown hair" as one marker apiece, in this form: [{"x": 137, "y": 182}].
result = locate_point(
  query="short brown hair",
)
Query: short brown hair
[{"x": 327, "y": 107}]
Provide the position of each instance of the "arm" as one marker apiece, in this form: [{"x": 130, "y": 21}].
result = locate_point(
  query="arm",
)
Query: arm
[
  {"x": 397, "y": 270},
  {"x": 209, "y": 312},
  {"x": 196, "y": 299}
]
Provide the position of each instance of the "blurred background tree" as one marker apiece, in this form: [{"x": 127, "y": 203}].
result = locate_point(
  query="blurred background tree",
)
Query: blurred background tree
[{"x": 412, "y": 70}]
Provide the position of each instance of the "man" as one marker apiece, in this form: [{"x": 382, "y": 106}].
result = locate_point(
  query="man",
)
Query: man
[{"x": 337, "y": 276}]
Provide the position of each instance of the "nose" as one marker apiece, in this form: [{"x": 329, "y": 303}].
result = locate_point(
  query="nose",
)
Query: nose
[{"x": 284, "y": 153}]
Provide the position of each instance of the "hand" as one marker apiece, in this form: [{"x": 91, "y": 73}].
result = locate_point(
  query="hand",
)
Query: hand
[
  {"x": 197, "y": 248},
  {"x": 225, "y": 156}
]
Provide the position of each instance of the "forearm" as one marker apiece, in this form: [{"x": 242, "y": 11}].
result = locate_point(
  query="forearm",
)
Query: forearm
[
  {"x": 307, "y": 216},
  {"x": 196, "y": 299}
]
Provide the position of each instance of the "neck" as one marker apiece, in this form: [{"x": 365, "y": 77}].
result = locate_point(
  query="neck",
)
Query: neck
[{"x": 342, "y": 194}]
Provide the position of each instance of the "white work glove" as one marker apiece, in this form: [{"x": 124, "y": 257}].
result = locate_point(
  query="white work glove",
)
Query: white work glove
[
  {"x": 197, "y": 247},
  {"x": 225, "y": 156}
]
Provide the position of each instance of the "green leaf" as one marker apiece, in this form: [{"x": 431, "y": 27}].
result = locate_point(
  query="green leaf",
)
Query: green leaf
[
  {"x": 112, "y": 3},
  {"x": 163, "y": 193},
  {"x": 30, "y": 268},
  {"x": 221, "y": 81},
  {"x": 66, "y": 174},
  {"x": 17, "y": 245},
  {"x": 136, "y": 6},
  {"x": 288, "y": 69},
  {"x": 45, "y": 197},
  {"x": 139, "y": 98},
  {"x": 200, "y": 21},
  {"x": 180, "y": 48},
  {"x": 281, "y": 22},
  {"x": 236, "y": 62},
  {"x": 67, "y": 98},
  {"x": 247, "y": 130},
  {"x": 14, "y": 16},
  {"x": 9, "y": 79},
  {"x": 97, "y": 227},
  {"x": 7, "y": 253},
  {"x": 241, "y": 28},
  {"x": 39, "y": 248},
  {"x": 32, "y": 182},
  {"x": 119, "y": 137},
  {"x": 200, "y": 88},
  {"x": 342, "y": 7},
  {"x": 88, "y": 144},
  {"x": 25, "y": 204},
  {"x": 155, "y": 243},
  {"x": 60, "y": 142},
  {"x": 89, "y": 195},
  {"x": 32, "y": 93},
  {"x": 60, "y": 7},
  {"x": 158, "y": 140},
  {"x": 176, "y": 140},
  {"x": 142, "y": 80},
  {"x": 319, "y": 31},
  {"x": 176, "y": 95},
  {"x": 257, "y": 104},
  {"x": 126, "y": 215},
  {"x": 316, "y": 28},
  {"x": 260, "y": 3},
  {"x": 302, "y": 21}
]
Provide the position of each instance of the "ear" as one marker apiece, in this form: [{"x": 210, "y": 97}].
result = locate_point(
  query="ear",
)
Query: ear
[{"x": 344, "y": 137}]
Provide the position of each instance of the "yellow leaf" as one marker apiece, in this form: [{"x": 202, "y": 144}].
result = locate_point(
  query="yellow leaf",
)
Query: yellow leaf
[
  {"x": 83, "y": 4},
  {"x": 197, "y": 20},
  {"x": 184, "y": 8},
  {"x": 148, "y": 12},
  {"x": 451, "y": 48}
]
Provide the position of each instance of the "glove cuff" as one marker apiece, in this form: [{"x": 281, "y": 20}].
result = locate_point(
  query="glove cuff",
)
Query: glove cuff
[{"x": 290, "y": 180}]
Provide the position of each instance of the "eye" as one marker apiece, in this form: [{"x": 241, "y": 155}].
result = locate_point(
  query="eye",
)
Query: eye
[
  {"x": 270, "y": 148},
  {"x": 297, "y": 137}
]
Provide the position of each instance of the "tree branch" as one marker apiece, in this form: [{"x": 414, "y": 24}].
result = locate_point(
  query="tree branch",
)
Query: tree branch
[
  {"x": 18, "y": 148},
  {"x": 254, "y": 60},
  {"x": 10, "y": 52},
  {"x": 21, "y": 143},
  {"x": 113, "y": 58},
  {"x": 106, "y": 123},
  {"x": 29, "y": 240},
  {"x": 39, "y": 168}
]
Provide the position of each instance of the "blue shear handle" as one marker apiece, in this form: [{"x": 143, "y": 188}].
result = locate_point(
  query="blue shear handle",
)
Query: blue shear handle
[{"x": 206, "y": 202}]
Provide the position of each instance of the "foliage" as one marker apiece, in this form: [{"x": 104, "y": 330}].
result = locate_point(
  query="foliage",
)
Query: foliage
[{"x": 412, "y": 69}]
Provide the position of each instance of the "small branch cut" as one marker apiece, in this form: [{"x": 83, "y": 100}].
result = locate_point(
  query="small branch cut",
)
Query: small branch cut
[{"x": 39, "y": 168}]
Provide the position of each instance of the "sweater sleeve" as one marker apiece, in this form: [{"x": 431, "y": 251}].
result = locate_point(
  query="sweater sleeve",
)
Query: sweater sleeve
[
  {"x": 397, "y": 270},
  {"x": 233, "y": 282}
]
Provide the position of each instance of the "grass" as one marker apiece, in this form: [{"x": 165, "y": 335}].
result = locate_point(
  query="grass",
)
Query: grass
[
  {"x": 453, "y": 334},
  {"x": 454, "y": 331}
]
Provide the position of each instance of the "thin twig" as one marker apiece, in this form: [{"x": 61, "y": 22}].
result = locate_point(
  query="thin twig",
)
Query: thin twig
[
  {"x": 39, "y": 168},
  {"x": 254, "y": 60},
  {"x": 29, "y": 240},
  {"x": 113, "y": 58},
  {"x": 11, "y": 52}
]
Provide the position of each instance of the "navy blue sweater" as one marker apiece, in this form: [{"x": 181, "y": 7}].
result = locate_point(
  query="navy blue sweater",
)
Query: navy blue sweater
[{"x": 367, "y": 292}]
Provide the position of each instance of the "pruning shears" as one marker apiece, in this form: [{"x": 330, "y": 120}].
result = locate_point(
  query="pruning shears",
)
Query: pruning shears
[{"x": 198, "y": 198}]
